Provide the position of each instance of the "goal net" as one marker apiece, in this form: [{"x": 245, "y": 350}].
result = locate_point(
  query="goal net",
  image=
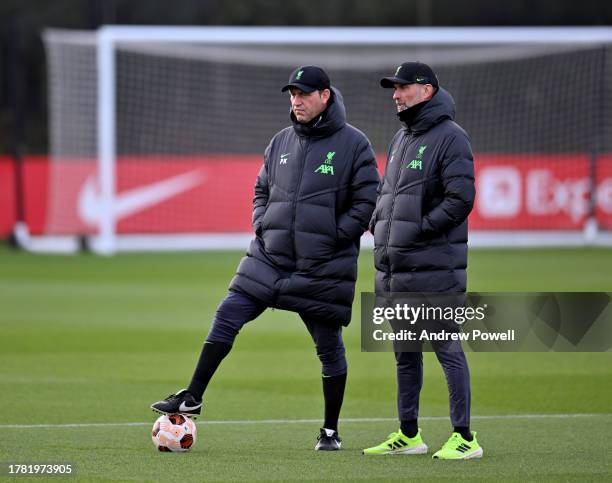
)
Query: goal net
[{"x": 157, "y": 133}]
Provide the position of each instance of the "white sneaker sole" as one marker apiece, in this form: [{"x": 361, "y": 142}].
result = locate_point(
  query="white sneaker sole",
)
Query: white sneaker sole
[
  {"x": 158, "y": 411},
  {"x": 476, "y": 454},
  {"x": 338, "y": 447},
  {"x": 420, "y": 449}
]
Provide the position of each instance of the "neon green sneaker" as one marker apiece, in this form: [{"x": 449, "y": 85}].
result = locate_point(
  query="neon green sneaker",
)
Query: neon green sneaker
[
  {"x": 398, "y": 443},
  {"x": 457, "y": 448}
]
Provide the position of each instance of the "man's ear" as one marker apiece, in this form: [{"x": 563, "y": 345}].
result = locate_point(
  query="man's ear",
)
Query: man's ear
[
  {"x": 430, "y": 90},
  {"x": 325, "y": 95}
]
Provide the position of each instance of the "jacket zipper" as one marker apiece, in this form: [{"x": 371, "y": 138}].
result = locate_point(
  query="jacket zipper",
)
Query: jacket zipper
[
  {"x": 395, "y": 190},
  {"x": 297, "y": 192}
]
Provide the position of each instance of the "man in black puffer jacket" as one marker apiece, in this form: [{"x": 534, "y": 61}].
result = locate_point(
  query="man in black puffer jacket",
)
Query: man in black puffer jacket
[
  {"x": 314, "y": 197},
  {"x": 420, "y": 234}
]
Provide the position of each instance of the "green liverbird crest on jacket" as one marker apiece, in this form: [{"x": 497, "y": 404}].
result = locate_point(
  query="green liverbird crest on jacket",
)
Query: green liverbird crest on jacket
[
  {"x": 421, "y": 151},
  {"x": 417, "y": 163},
  {"x": 326, "y": 167}
]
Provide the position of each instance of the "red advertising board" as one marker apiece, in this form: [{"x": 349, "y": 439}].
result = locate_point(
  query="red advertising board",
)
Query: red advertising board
[
  {"x": 542, "y": 192},
  {"x": 212, "y": 194}
]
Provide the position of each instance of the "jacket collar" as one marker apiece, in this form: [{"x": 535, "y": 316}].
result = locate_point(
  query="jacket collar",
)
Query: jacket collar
[{"x": 422, "y": 117}]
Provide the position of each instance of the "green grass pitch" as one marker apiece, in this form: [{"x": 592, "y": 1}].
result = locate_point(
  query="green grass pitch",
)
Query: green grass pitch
[{"x": 87, "y": 343}]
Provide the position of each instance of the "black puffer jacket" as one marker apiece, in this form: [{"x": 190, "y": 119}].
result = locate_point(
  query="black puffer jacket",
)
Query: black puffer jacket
[
  {"x": 314, "y": 197},
  {"x": 420, "y": 222}
]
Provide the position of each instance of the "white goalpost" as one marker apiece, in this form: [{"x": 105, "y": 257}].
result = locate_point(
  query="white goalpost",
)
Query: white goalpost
[{"x": 156, "y": 131}]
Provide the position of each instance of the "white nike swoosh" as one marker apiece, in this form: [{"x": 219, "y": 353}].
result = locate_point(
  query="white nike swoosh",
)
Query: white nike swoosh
[
  {"x": 184, "y": 407},
  {"x": 132, "y": 201}
]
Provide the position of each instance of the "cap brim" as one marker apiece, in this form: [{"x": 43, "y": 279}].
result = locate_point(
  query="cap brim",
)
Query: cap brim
[
  {"x": 302, "y": 87},
  {"x": 389, "y": 82}
]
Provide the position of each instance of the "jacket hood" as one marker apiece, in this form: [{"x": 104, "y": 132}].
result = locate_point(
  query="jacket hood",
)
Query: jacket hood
[
  {"x": 331, "y": 119},
  {"x": 424, "y": 116}
]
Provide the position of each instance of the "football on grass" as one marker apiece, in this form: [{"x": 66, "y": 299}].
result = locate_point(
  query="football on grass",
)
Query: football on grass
[{"x": 174, "y": 432}]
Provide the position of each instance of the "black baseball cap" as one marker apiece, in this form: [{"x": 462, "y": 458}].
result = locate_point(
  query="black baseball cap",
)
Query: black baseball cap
[
  {"x": 308, "y": 78},
  {"x": 411, "y": 73}
]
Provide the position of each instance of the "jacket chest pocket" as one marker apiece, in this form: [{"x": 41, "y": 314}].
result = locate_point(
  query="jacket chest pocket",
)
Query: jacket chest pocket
[
  {"x": 409, "y": 200},
  {"x": 284, "y": 177}
]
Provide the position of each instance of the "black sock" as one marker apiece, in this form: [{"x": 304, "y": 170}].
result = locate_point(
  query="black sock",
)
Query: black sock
[
  {"x": 464, "y": 431},
  {"x": 211, "y": 356},
  {"x": 333, "y": 393},
  {"x": 409, "y": 427}
]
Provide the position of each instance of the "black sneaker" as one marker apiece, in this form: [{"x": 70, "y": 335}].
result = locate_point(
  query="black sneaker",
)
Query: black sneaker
[
  {"x": 182, "y": 402},
  {"x": 328, "y": 440}
]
